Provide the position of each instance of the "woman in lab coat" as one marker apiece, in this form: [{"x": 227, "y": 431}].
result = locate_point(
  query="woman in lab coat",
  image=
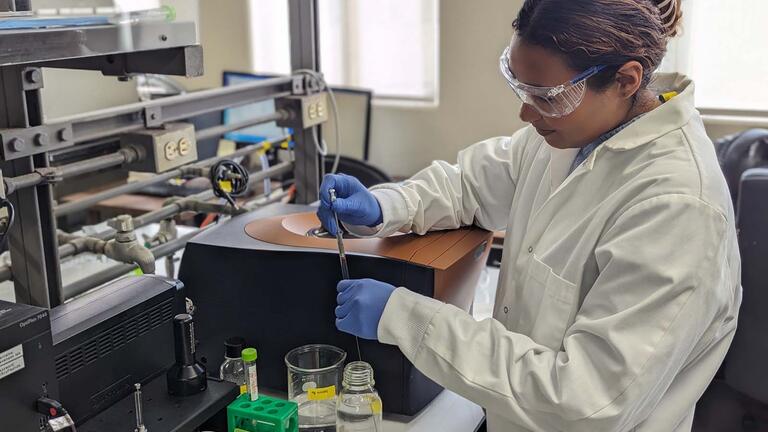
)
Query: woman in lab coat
[{"x": 620, "y": 281}]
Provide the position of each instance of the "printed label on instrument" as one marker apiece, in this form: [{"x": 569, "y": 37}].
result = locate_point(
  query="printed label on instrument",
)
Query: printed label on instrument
[
  {"x": 319, "y": 394},
  {"x": 11, "y": 361}
]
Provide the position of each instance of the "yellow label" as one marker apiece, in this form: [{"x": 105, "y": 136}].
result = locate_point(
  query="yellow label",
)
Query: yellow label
[
  {"x": 226, "y": 147},
  {"x": 376, "y": 407},
  {"x": 319, "y": 394},
  {"x": 667, "y": 96},
  {"x": 243, "y": 389},
  {"x": 226, "y": 185}
]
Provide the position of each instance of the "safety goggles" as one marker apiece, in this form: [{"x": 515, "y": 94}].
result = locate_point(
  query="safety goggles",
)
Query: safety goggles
[{"x": 557, "y": 101}]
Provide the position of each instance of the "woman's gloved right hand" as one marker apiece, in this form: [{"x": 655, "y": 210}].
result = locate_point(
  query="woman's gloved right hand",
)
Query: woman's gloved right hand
[{"x": 355, "y": 204}]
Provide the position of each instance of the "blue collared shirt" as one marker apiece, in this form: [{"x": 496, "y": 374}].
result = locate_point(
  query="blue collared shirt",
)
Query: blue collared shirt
[{"x": 587, "y": 150}]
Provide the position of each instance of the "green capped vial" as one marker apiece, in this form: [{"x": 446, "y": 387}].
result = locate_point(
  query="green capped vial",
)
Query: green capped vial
[{"x": 251, "y": 382}]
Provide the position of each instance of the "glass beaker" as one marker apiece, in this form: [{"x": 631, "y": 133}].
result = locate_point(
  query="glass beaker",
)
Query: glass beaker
[{"x": 314, "y": 380}]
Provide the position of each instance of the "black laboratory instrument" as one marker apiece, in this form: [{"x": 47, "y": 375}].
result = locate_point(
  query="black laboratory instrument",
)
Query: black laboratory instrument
[{"x": 186, "y": 377}]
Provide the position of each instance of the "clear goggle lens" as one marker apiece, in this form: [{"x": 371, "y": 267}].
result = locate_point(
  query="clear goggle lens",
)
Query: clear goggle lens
[{"x": 558, "y": 101}]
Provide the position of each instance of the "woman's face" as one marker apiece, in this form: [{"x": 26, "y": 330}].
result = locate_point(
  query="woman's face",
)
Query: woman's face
[{"x": 598, "y": 113}]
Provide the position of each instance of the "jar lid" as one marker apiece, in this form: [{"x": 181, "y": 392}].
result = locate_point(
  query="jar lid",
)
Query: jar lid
[{"x": 233, "y": 347}]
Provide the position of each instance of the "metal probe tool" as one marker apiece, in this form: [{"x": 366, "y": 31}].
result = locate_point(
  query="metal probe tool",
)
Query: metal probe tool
[
  {"x": 342, "y": 255},
  {"x": 139, "y": 417}
]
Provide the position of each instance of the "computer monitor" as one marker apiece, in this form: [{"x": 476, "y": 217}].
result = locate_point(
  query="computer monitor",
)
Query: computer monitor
[{"x": 354, "y": 110}]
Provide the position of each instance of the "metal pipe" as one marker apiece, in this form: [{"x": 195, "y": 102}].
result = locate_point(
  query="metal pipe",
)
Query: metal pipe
[
  {"x": 79, "y": 205},
  {"x": 171, "y": 100},
  {"x": 216, "y": 131},
  {"x": 91, "y": 125},
  {"x": 254, "y": 204},
  {"x": 118, "y": 270},
  {"x": 75, "y": 206},
  {"x": 12, "y": 184},
  {"x": 69, "y": 249},
  {"x": 174, "y": 208},
  {"x": 108, "y": 274},
  {"x": 96, "y": 279},
  {"x": 125, "y": 155}
]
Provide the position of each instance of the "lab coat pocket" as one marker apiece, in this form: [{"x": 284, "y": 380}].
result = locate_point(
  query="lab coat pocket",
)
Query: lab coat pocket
[{"x": 557, "y": 307}]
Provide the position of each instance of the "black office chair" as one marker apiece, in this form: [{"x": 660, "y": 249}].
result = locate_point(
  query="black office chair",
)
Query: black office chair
[{"x": 737, "y": 399}]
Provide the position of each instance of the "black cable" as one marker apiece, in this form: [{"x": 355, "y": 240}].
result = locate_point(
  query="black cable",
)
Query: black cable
[
  {"x": 229, "y": 179},
  {"x": 4, "y": 202}
]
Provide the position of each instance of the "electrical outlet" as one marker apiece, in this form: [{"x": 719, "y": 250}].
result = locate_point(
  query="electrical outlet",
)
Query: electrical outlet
[
  {"x": 171, "y": 150},
  {"x": 165, "y": 148},
  {"x": 307, "y": 111},
  {"x": 184, "y": 147},
  {"x": 314, "y": 109}
]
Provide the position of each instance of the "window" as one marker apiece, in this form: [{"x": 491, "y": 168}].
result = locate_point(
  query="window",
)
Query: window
[
  {"x": 389, "y": 46},
  {"x": 723, "y": 49}
]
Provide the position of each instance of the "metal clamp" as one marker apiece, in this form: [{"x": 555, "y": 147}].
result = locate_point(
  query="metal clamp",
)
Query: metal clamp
[
  {"x": 49, "y": 175},
  {"x": 153, "y": 117},
  {"x": 297, "y": 85}
]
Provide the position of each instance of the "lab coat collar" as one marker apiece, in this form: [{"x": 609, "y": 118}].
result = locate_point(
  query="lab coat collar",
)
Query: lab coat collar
[
  {"x": 560, "y": 165},
  {"x": 670, "y": 116}
]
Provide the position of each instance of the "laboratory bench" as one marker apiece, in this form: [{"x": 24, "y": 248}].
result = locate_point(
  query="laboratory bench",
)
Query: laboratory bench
[
  {"x": 162, "y": 412},
  {"x": 449, "y": 412}
]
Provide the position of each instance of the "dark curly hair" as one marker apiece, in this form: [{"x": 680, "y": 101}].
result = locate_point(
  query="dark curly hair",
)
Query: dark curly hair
[{"x": 601, "y": 32}]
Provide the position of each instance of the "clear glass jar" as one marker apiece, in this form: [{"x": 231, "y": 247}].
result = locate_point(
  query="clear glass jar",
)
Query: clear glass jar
[
  {"x": 232, "y": 369},
  {"x": 358, "y": 407}
]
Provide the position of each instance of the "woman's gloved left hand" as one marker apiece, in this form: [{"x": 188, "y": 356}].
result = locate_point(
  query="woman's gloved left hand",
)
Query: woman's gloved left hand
[{"x": 361, "y": 303}]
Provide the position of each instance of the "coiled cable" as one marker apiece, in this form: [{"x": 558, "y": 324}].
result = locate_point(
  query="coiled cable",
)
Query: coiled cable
[{"x": 229, "y": 179}]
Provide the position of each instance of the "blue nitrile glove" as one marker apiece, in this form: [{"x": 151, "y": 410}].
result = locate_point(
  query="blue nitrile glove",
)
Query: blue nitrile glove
[
  {"x": 354, "y": 204},
  {"x": 361, "y": 304}
]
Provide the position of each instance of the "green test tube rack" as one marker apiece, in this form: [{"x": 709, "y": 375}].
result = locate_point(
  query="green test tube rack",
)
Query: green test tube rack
[{"x": 265, "y": 414}]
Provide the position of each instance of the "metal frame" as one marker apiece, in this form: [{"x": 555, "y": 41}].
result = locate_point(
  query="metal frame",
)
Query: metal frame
[
  {"x": 33, "y": 245},
  {"x": 152, "y": 47},
  {"x": 302, "y": 18},
  {"x": 368, "y": 94}
]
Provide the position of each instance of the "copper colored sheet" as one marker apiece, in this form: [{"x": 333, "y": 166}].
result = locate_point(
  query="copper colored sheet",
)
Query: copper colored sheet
[{"x": 437, "y": 249}]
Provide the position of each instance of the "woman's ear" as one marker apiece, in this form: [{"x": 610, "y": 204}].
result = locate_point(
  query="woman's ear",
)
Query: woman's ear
[{"x": 629, "y": 78}]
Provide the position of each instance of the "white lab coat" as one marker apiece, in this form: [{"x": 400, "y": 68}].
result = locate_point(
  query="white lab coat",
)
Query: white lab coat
[{"x": 620, "y": 283}]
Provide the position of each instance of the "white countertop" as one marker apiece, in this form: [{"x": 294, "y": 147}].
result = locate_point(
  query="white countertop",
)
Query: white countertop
[{"x": 449, "y": 412}]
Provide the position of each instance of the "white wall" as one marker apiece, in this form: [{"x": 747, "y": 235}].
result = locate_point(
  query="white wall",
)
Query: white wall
[
  {"x": 223, "y": 27},
  {"x": 475, "y": 102}
]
